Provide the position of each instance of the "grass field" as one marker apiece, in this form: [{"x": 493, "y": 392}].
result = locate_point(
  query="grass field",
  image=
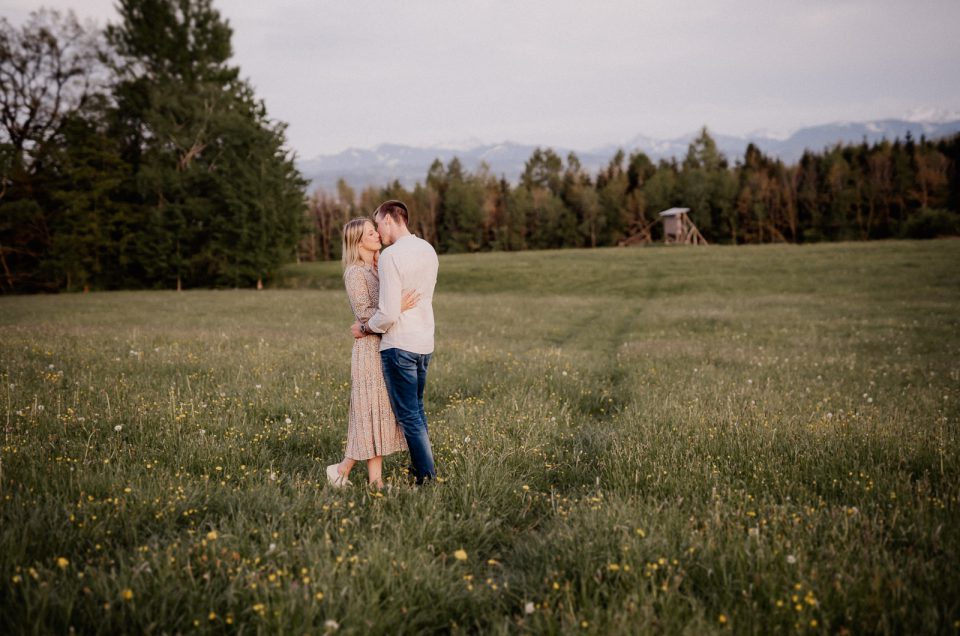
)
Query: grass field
[{"x": 748, "y": 440}]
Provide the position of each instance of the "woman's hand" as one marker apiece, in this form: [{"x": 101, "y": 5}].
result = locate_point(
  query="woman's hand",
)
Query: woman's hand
[{"x": 410, "y": 300}]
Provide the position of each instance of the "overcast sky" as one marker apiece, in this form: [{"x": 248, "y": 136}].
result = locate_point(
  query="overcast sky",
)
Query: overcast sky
[{"x": 356, "y": 73}]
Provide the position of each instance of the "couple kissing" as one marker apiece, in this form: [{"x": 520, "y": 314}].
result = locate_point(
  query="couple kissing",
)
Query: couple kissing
[{"x": 391, "y": 294}]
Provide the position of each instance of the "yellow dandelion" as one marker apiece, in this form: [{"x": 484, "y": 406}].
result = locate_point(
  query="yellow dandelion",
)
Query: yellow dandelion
[
  {"x": 212, "y": 535},
  {"x": 127, "y": 594},
  {"x": 318, "y": 596},
  {"x": 212, "y": 616},
  {"x": 62, "y": 563},
  {"x": 460, "y": 555},
  {"x": 613, "y": 567},
  {"x": 259, "y": 608},
  {"x": 722, "y": 619}
]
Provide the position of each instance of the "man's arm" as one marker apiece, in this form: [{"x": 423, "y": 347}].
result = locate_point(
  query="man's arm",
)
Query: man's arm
[{"x": 390, "y": 296}]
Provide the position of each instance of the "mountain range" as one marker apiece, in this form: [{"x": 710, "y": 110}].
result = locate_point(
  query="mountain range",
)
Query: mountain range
[{"x": 409, "y": 164}]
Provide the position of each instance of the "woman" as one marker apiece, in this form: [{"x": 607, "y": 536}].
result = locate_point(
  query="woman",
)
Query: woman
[{"x": 372, "y": 431}]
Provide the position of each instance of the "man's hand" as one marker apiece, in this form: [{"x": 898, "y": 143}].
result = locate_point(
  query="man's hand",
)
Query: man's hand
[{"x": 355, "y": 330}]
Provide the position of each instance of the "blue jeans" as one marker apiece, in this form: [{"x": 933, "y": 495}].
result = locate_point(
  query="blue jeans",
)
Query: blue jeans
[{"x": 405, "y": 374}]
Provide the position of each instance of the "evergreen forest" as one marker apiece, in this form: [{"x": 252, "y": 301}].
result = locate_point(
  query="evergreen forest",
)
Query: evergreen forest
[{"x": 137, "y": 157}]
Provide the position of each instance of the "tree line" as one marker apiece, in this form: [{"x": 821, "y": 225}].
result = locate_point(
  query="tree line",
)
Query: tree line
[
  {"x": 892, "y": 189},
  {"x": 136, "y": 156}
]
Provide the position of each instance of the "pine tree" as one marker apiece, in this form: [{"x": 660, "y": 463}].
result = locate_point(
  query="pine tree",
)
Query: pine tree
[{"x": 223, "y": 201}]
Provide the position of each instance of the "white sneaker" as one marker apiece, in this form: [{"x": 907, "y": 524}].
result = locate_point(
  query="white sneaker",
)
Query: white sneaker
[{"x": 335, "y": 478}]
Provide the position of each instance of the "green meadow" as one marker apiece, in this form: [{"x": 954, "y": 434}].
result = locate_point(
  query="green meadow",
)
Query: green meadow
[{"x": 753, "y": 440}]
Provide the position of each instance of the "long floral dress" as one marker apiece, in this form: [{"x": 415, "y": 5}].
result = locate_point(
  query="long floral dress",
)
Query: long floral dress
[{"x": 373, "y": 429}]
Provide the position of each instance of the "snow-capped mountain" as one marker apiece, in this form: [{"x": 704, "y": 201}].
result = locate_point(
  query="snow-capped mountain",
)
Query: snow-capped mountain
[{"x": 408, "y": 164}]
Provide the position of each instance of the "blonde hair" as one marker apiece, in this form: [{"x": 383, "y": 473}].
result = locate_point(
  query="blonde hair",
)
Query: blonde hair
[{"x": 352, "y": 235}]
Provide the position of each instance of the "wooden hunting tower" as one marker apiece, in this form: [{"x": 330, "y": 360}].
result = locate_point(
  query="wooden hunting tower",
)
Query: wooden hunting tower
[{"x": 679, "y": 229}]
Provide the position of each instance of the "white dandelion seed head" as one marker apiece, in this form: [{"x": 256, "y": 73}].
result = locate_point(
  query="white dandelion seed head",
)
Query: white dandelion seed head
[
  {"x": 791, "y": 559},
  {"x": 118, "y": 427},
  {"x": 528, "y": 608},
  {"x": 287, "y": 420}
]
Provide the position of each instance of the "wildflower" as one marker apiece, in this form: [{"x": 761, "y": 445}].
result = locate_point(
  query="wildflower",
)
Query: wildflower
[
  {"x": 613, "y": 567},
  {"x": 212, "y": 535},
  {"x": 118, "y": 427},
  {"x": 287, "y": 420},
  {"x": 126, "y": 594},
  {"x": 791, "y": 559},
  {"x": 528, "y": 608},
  {"x": 259, "y": 608},
  {"x": 722, "y": 619},
  {"x": 62, "y": 563},
  {"x": 460, "y": 555},
  {"x": 318, "y": 596},
  {"x": 331, "y": 625},
  {"x": 212, "y": 616}
]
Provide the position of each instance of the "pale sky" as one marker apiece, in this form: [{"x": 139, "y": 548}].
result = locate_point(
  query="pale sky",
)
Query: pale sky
[{"x": 357, "y": 73}]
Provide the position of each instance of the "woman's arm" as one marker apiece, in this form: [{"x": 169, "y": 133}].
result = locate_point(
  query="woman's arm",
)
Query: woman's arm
[{"x": 360, "y": 301}]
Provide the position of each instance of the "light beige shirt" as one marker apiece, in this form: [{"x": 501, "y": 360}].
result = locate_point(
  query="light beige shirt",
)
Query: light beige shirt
[{"x": 409, "y": 264}]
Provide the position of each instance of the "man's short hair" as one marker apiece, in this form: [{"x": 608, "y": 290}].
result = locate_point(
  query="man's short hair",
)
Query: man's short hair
[{"x": 396, "y": 210}]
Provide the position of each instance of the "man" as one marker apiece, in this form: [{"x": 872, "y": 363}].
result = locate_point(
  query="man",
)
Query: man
[{"x": 408, "y": 264}]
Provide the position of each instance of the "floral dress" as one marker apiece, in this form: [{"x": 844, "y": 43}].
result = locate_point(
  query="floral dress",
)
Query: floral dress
[{"x": 372, "y": 430}]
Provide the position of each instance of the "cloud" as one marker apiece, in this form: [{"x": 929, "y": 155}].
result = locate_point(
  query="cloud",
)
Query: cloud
[{"x": 579, "y": 74}]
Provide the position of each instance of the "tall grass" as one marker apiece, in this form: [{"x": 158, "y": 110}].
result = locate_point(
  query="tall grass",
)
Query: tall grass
[{"x": 756, "y": 440}]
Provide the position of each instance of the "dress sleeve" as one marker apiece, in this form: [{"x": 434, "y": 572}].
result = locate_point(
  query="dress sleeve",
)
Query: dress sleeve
[{"x": 359, "y": 294}]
